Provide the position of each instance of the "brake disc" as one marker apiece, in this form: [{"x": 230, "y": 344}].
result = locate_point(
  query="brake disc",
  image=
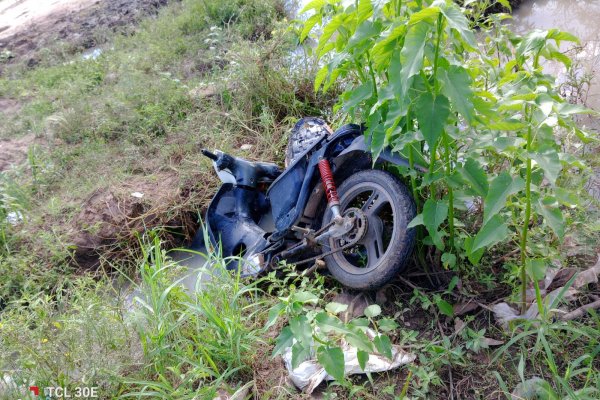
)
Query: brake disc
[
  {"x": 349, "y": 239},
  {"x": 359, "y": 229}
]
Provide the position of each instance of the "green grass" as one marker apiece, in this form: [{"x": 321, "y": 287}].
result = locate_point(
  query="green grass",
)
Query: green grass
[{"x": 212, "y": 74}]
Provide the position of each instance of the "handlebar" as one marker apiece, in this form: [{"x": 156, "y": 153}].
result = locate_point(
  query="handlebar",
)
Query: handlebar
[
  {"x": 210, "y": 155},
  {"x": 246, "y": 173},
  {"x": 222, "y": 160}
]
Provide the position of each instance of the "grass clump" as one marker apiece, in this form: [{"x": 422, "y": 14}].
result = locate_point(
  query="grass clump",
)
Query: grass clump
[{"x": 193, "y": 342}]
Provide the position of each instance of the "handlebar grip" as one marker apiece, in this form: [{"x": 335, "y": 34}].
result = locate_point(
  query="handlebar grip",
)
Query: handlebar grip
[{"x": 210, "y": 155}]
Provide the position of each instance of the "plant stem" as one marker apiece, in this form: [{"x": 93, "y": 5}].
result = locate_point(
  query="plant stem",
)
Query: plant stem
[
  {"x": 448, "y": 160},
  {"x": 372, "y": 73},
  {"x": 432, "y": 152},
  {"x": 440, "y": 25},
  {"x": 411, "y": 161},
  {"x": 413, "y": 181},
  {"x": 525, "y": 231},
  {"x": 398, "y": 7}
]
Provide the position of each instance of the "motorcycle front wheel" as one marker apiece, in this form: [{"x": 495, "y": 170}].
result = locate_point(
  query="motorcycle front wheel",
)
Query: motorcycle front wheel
[{"x": 386, "y": 246}]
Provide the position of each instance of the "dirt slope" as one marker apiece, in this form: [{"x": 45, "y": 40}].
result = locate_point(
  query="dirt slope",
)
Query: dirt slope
[{"x": 27, "y": 26}]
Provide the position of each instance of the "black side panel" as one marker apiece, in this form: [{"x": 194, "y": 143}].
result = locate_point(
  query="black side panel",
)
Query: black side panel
[
  {"x": 233, "y": 228},
  {"x": 284, "y": 192}
]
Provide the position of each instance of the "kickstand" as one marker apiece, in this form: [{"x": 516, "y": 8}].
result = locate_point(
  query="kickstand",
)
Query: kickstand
[{"x": 319, "y": 264}]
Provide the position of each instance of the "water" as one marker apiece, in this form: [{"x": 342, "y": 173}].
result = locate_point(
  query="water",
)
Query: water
[
  {"x": 197, "y": 272},
  {"x": 582, "y": 19}
]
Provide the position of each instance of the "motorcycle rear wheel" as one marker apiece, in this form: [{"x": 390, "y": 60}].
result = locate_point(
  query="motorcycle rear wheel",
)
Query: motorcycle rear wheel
[{"x": 384, "y": 250}]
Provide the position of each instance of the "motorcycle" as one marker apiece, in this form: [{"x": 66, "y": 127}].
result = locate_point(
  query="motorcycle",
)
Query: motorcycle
[{"x": 360, "y": 228}]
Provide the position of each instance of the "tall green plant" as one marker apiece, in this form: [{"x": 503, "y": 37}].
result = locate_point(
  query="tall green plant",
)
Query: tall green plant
[{"x": 478, "y": 111}]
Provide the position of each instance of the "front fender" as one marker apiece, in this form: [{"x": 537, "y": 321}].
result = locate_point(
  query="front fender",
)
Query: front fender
[{"x": 360, "y": 145}]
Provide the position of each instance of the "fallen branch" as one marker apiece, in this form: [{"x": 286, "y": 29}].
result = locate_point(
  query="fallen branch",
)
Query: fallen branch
[{"x": 580, "y": 311}]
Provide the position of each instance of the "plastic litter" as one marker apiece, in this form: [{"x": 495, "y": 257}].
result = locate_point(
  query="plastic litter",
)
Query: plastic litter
[
  {"x": 92, "y": 54},
  {"x": 309, "y": 374},
  {"x": 504, "y": 313}
]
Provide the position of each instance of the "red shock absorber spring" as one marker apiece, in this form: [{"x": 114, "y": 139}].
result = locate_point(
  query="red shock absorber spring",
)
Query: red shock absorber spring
[{"x": 328, "y": 183}]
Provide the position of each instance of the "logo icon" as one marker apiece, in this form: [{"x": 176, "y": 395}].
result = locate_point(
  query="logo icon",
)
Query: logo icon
[{"x": 35, "y": 390}]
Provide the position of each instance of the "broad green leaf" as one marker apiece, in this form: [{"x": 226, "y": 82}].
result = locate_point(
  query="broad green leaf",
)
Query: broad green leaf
[
  {"x": 274, "y": 313},
  {"x": 313, "y": 5},
  {"x": 301, "y": 330},
  {"x": 357, "y": 95},
  {"x": 329, "y": 30},
  {"x": 584, "y": 136},
  {"x": 284, "y": 340},
  {"x": 558, "y": 35},
  {"x": 507, "y": 125},
  {"x": 475, "y": 176},
  {"x": 532, "y": 42},
  {"x": 457, "y": 20},
  {"x": 364, "y": 10},
  {"x": 332, "y": 77},
  {"x": 566, "y": 197},
  {"x": 449, "y": 260},
  {"x": 565, "y": 109},
  {"x": 328, "y": 324},
  {"x": 553, "y": 217},
  {"x": 536, "y": 268},
  {"x": 363, "y": 358},
  {"x": 432, "y": 113},
  {"x": 360, "y": 322},
  {"x": 457, "y": 88},
  {"x": 434, "y": 213},
  {"x": 549, "y": 161},
  {"x": 411, "y": 56},
  {"x": 383, "y": 345},
  {"x": 444, "y": 307},
  {"x": 308, "y": 25},
  {"x": 366, "y": 30},
  {"x": 554, "y": 53},
  {"x": 428, "y": 15},
  {"x": 360, "y": 340},
  {"x": 332, "y": 359},
  {"x": 545, "y": 103},
  {"x": 336, "y": 308},
  {"x": 376, "y": 134},
  {"x": 500, "y": 188},
  {"x": 418, "y": 220},
  {"x": 372, "y": 311},
  {"x": 502, "y": 143},
  {"x": 387, "y": 324},
  {"x": 506, "y": 4},
  {"x": 494, "y": 231},
  {"x": 300, "y": 353},
  {"x": 473, "y": 256},
  {"x": 383, "y": 49},
  {"x": 320, "y": 77},
  {"x": 304, "y": 297}
]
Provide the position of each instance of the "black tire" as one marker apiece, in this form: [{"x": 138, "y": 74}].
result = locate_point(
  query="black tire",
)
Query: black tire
[{"x": 383, "y": 197}]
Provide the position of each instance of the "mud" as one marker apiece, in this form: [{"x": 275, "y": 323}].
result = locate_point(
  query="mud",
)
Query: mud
[
  {"x": 111, "y": 218},
  {"x": 13, "y": 152},
  {"x": 28, "y": 26}
]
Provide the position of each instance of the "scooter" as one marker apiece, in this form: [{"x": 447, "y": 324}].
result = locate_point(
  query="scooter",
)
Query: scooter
[{"x": 360, "y": 228}]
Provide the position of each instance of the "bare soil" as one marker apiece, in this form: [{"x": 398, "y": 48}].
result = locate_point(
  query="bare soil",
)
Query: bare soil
[
  {"x": 28, "y": 26},
  {"x": 111, "y": 217},
  {"x": 13, "y": 152}
]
